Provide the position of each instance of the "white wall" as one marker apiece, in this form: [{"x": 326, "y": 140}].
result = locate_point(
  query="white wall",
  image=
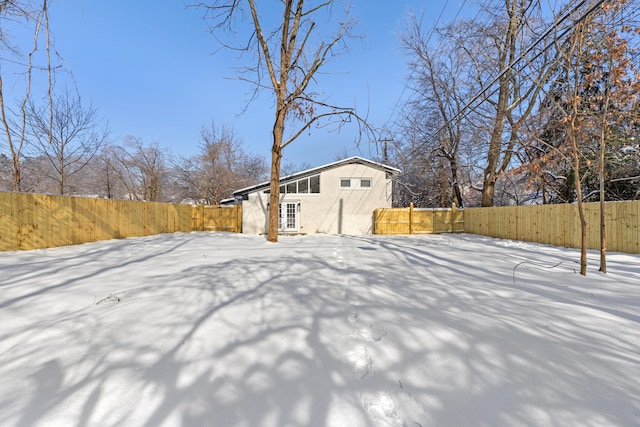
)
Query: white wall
[{"x": 334, "y": 210}]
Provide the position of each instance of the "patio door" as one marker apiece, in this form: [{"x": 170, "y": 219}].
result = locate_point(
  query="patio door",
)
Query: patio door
[{"x": 289, "y": 218}]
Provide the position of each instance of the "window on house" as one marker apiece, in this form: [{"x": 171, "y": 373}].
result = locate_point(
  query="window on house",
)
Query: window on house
[
  {"x": 355, "y": 183},
  {"x": 301, "y": 186},
  {"x": 314, "y": 184}
]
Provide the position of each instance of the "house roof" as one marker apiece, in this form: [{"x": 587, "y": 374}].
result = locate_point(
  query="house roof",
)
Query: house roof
[{"x": 316, "y": 170}]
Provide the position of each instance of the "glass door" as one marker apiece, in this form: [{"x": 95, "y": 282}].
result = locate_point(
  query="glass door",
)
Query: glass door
[{"x": 288, "y": 219}]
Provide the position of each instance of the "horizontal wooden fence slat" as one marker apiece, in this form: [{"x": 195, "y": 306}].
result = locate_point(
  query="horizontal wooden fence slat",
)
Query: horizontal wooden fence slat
[{"x": 33, "y": 221}]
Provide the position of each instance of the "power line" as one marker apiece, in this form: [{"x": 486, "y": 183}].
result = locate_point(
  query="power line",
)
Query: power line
[
  {"x": 552, "y": 28},
  {"x": 483, "y": 6}
]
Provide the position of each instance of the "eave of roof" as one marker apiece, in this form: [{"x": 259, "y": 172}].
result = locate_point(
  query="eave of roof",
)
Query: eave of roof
[{"x": 318, "y": 169}]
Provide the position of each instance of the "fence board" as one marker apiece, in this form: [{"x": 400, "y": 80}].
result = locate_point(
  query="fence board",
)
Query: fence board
[
  {"x": 8, "y": 223},
  {"x": 391, "y": 221},
  {"x": 423, "y": 221}
]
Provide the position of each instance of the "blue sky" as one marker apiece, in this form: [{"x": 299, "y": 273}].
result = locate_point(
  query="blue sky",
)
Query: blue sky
[{"x": 149, "y": 67}]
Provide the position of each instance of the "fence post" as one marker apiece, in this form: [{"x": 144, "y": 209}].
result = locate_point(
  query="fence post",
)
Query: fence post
[
  {"x": 411, "y": 218},
  {"x": 452, "y": 217},
  {"x": 239, "y": 218}
]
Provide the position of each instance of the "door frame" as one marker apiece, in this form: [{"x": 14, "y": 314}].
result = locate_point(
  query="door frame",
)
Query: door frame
[{"x": 289, "y": 216}]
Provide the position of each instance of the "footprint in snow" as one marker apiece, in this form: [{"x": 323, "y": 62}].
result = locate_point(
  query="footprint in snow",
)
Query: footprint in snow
[
  {"x": 370, "y": 333},
  {"x": 361, "y": 363},
  {"x": 382, "y": 409},
  {"x": 353, "y": 317}
]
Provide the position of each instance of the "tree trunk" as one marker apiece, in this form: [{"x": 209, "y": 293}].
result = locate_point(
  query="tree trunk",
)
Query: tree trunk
[
  {"x": 17, "y": 176},
  {"x": 274, "y": 197},
  {"x": 583, "y": 237},
  {"x": 603, "y": 230},
  {"x": 109, "y": 194},
  {"x": 457, "y": 194},
  {"x": 603, "y": 237},
  {"x": 15, "y": 153},
  {"x": 493, "y": 154},
  {"x": 603, "y": 151},
  {"x": 583, "y": 222},
  {"x": 488, "y": 190},
  {"x": 61, "y": 178},
  {"x": 274, "y": 185}
]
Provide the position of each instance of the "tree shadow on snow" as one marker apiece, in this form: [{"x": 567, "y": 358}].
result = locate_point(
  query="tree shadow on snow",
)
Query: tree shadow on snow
[{"x": 316, "y": 332}]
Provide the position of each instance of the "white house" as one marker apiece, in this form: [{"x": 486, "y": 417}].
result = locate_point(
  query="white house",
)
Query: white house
[{"x": 338, "y": 198}]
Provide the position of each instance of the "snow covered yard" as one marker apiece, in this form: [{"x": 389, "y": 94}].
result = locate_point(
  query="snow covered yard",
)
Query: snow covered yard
[{"x": 228, "y": 330}]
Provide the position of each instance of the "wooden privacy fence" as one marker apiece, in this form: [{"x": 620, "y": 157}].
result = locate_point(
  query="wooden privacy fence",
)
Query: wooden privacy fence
[
  {"x": 220, "y": 218},
  {"x": 417, "y": 221},
  {"x": 559, "y": 224},
  {"x": 33, "y": 221}
]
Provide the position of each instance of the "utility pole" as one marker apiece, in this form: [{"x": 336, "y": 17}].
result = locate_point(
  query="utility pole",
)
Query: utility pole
[{"x": 385, "y": 154}]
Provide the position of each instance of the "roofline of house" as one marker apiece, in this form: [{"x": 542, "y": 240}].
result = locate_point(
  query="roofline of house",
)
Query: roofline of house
[{"x": 313, "y": 171}]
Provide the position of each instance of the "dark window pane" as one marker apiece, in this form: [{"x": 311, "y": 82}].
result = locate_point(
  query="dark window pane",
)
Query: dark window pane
[
  {"x": 303, "y": 185},
  {"x": 314, "y": 183}
]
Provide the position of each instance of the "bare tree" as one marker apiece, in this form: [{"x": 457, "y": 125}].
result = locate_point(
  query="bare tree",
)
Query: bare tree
[
  {"x": 227, "y": 166},
  {"x": 433, "y": 123},
  {"x": 69, "y": 135},
  {"x": 477, "y": 88},
  {"x": 140, "y": 169},
  {"x": 5, "y": 173},
  {"x": 511, "y": 68},
  {"x": 288, "y": 56},
  {"x": 106, "y": 175},
  {"x": 222, "y": 166},
  {"x": 185, "y": 179},
  {"x": 22, "y": 12},
  {"x": 109, "y": 169}
]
